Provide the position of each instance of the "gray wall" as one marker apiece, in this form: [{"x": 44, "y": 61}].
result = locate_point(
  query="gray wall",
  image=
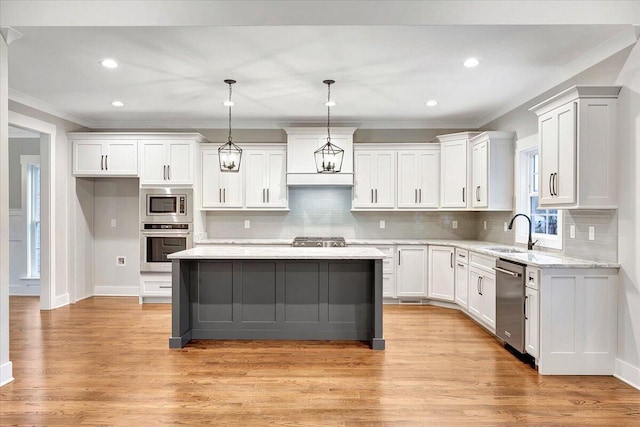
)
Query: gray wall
[
  {"x": 326, "y": 211},
  {"x": 17, "y": 148}
]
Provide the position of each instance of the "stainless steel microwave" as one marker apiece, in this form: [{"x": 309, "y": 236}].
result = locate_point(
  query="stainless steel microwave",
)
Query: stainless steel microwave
[{"x": 166, "y": 205}]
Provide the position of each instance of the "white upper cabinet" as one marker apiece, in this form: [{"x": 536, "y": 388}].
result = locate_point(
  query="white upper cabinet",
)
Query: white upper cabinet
[
  {"x": 219, "y": 189},
  {"x": 375, "y": 174},
  {"x": 578, "y": 148},
  {"x": 454, "y": 170},
  {"x": 265, "y": 177},
  {"x": 419, "y": 177},
  {"x": 492, "y": 171},
  {"x": 105, "y": 157},
  {"x": 167, "y": 162}
]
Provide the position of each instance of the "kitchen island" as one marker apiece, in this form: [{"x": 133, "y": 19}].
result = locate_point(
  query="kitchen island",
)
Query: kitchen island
[{"x": 280, "y": 293}]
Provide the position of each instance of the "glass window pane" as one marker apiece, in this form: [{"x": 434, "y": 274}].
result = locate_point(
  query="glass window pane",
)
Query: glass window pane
[
  {"x": 540, "y": 224},
  {"x": 552, "y": 227}
]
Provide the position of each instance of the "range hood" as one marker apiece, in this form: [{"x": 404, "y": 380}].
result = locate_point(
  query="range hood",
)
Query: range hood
[{"x": 301, "y": 166}]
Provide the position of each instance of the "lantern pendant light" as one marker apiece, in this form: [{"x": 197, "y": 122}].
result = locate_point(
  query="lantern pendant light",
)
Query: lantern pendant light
[
  {"x": 229, "y": 154},
  {"x": 329, "y": 156}
]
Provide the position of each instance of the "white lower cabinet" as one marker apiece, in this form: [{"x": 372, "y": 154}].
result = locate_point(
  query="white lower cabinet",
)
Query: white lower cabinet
[
  {"x": 482, "y": 290},
  {"x": 155, "y": 287},
  {"x": 532, "y": 314},
  {"x": 462, "y": 279},
  {"x": 411, "y": 270},
  {"x": 441, "y": 273}
]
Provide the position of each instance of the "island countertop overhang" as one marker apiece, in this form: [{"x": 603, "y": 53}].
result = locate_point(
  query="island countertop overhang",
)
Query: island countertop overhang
[{"x": 226, "y": 252}]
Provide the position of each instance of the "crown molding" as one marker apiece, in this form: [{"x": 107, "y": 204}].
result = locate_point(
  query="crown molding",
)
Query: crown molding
[
  {"x": 15, "y": 132},
  {"x": 45, "y": 107}
]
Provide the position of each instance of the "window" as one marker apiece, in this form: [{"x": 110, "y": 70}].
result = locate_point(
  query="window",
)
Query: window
[
  {"x": 31, "y": 212},
  {"x": 546, "y": 224}
]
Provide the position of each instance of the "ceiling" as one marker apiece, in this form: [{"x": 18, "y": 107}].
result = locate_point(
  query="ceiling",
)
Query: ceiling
[{"x": 172, "y": 76}]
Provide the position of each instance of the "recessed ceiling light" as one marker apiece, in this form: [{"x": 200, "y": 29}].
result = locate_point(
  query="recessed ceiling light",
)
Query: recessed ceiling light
[
  {"x": 471, "y": 62},
  {"x": 109, "y": 63},
  {"x": 117, "y": 104},
  {"x": 432, "y": 103},
  {"x": 228, "y": 103}
]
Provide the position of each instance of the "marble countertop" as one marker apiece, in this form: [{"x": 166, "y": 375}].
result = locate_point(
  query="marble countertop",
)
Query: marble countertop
[
  {"x": 533, "y": 258},
  {"x": 272, "y": 252}
]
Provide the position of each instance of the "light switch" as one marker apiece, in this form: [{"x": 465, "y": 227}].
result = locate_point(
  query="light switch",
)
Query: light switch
[
  {"x": 247, "y": 223},
  {"x": 506, "y": 227},
  {"x": 113, "y": 222},
  {"x": 572, "y": 231},
  {"x": 121, "y": 261},
  {"x": 484, "y": 225},
  {"x": 454, "y": 224},
  {"x": 383, "y": 223},
  {"x": 592, "y": 232}
]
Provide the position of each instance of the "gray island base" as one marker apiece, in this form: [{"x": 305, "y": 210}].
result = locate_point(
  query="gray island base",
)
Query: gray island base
[{"x": 222, "y": 293}]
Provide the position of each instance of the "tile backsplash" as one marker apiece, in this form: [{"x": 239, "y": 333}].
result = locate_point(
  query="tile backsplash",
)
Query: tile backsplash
[{"x": 326, "y": 211}]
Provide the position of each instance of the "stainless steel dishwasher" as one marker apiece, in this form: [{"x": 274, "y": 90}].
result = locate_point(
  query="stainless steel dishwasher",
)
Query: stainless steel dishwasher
[{"x": 510, "y": 296}]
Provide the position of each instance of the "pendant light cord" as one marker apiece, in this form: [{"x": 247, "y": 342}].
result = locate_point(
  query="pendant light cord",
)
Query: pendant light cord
[
  {"x": 229, "y": 112},
  {"x": 329, "y": 113}
]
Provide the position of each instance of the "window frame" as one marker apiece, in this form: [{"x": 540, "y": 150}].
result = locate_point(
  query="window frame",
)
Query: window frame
[
  {"x": 27, "y": 163},
  {"x": 524, "y": 150}
]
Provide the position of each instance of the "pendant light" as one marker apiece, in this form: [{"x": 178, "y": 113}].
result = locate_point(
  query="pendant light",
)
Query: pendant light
[
  {"x": 329, "y": 156},
  {"x": 229, "y": 154}
]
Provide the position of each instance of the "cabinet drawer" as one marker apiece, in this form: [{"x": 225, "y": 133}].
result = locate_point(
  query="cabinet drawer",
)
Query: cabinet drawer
[
  {"x": 482, "y": 261},
  {"x": 462, "y": 256},
  {"x": 156, "y": 287},
  {"x": 388, "y": 263}
]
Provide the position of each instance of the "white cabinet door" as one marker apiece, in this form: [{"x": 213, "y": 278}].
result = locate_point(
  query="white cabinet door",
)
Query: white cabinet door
[
  {"x": 374, "y": 185},
  {"x": 180, "y": 162},
  {"x": 475, "y": 294},
  {"x": 532, "y": 322},
  {"x": 265, "y": 178},
  {"x": 453, "y": 175},
  {"x": 429, "y": 178},
  {"x": 558, "y": 136},
  {"x": 412, "y": 271},
  {"x": 88, "y": 158},
  {"x": 408, "y": 177},
  {"x": 480, "y": 175},
  {"x": 462, "y": 284},
  {"x": 153, "y": 163},
  {"x": 105, "y": 157},
  {"x": 441, "y": 273},
  {"x": 219, "y": 189},
  {"x": 121, "y": 157},
  {"x": 488, "y": 290}
]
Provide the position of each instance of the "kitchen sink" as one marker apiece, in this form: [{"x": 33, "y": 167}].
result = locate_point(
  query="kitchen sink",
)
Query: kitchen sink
[{"x": 506, "y": 250}]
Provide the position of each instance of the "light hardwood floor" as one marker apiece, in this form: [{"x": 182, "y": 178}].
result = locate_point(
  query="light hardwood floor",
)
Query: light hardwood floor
[{"x": 106, "y": 361}]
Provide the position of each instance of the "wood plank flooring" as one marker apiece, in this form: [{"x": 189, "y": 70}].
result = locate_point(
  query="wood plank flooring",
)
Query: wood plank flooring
[{"x": 106, "y": 361}]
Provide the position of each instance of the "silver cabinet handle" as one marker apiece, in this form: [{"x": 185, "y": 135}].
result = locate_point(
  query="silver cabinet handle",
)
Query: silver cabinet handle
[
  {"x": 268, "y": 198},
  {"x": 478, "y": 193},
  {"x": 415, "y": 195},
  {"x": 398, "y": 257},
  {"x": 451, "y": 259},
  {"x": 463, "y": 195},
  {"x": 480, "y": 280},
  {"x": 372, "y": 195},
  {"x": 220, "y": 195},
  {"x": 165, "y": 286},
  {"x": 376, "y": 195},
  {"x": 420, "y": 195},
  {"x": 168, "y": 172},
  {"x": 526, "y": 299},
  {"x": 510, "y": 273},
  {"x": 102, "y": 162}
]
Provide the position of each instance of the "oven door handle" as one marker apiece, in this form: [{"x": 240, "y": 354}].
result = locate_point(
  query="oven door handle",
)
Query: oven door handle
[
  {"x": 164, "y": 234},
  {"x": 510, "y": 273}
]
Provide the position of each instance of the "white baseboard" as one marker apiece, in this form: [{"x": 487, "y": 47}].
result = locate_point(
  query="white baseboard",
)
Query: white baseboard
[
  {"x": 60, "y": 301},
  {"x": 6, "y": 373},
  {"x": 627, "y": 373},
  {"x": 24, "y": 290},
  {"x": 117, "y": 291}
]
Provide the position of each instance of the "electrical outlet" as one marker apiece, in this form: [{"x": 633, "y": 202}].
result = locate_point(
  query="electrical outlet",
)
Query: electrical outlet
[
  {"x": 484, "y": 224},
  {"x": 113, "y": 222},
  {"x": 121, "y": 261},
  {"x": 592, "y": 232},
  {"x": 383, "y": 223},
  {"x": 506, "y": 227},
  {"x": 454, "y": 224},
  {"x": 572, "y": 231},
  {"x": 247, "y": 223}
]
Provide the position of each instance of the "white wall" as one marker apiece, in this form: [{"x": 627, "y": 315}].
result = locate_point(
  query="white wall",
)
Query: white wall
[
  {"x": 116, "y": 199},
  {"x": 81, "y": 238},
  {"x": 628, "y": 363}
]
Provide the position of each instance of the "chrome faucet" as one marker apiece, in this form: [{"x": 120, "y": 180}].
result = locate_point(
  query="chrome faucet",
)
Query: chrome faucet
[{"x": 529, "y": 243}]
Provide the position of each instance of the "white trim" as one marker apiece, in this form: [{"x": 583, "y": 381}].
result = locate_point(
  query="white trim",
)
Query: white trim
[
  {"x": 48, "y": 205},
  {"x": 45, "y": 107},
  {"x": 15, "y": 132},
  {"x": 6, "y": 373},
  {"x": 627, "y": 373},
  {"x": 61, "y": 301},
  {"x": 119, "y": 291},
  {"x": 24, "y": 290}
]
